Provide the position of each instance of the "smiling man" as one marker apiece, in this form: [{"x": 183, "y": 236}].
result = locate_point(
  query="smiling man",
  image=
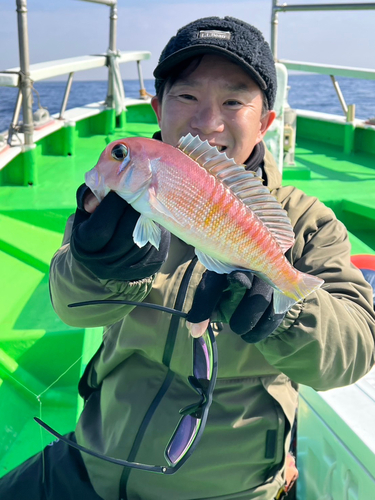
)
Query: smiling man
[
  {"x": 216, "y": 79},
  {"x": 216, "y": 99}
]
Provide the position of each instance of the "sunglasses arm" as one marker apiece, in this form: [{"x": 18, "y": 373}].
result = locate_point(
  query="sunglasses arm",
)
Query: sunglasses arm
[
  {"x": 159, "y": 469},
  {"x": 124, "y": 463}
]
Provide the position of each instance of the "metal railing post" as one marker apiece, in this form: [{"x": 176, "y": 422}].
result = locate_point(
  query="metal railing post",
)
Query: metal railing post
[
  {"x": 16, "y": 115},
  {"x": 274, "y": 29},
  {"x": 339, "y": 94},
  {"x": 112, "y": 48},
  {"x": 25, "y": 81},
  {"x": 350, "y": 114},
  {"x": 349, "y": 130},
  {"x": 142, "y": 91},
  {"x": 66, "y": 96}
]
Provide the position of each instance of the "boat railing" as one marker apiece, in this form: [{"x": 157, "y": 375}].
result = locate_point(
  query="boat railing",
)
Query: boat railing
[
  {"x": 69, "y": 66},
  {"x": 24, "y": 76},
  {"x": 331, "y": 70}
]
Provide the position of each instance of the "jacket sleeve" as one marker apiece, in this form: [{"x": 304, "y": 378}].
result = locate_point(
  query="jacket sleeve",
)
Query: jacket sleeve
[
  {"x": 71, "y": 282},
  {"x": 327, "y": 340}
]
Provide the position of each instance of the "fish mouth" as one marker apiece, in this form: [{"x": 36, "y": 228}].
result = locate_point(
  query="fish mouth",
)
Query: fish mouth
[{"x": 96, "y": 183}]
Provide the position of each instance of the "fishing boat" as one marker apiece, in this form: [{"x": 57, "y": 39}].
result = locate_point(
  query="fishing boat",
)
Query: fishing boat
[{"x": 42, "y": 161}]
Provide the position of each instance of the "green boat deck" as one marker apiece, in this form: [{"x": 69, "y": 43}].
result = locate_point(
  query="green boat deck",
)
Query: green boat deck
[
  {"x": 343, "y": 181},
  {"x": 41, "y": 358},
  {"x": 36, "y": 347}
]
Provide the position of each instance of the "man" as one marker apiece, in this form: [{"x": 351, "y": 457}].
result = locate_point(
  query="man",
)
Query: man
[{"x": 216, "y": 79}]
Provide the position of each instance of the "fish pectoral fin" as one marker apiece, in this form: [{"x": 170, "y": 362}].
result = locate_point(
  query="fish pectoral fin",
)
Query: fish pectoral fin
[
  {"x": 213, "y": 264},
  {"x": 146, "y": 231}
]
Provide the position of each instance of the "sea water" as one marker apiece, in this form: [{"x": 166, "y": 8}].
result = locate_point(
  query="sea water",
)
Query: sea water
[{"x": 310, "y": 92}]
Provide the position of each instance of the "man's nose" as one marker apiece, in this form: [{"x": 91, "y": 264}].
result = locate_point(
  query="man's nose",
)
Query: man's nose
[{"x": 208, "y": 120}]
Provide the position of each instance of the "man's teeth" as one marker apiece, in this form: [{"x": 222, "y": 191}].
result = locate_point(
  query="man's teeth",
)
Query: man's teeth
[{"x": 218, "y": 147}]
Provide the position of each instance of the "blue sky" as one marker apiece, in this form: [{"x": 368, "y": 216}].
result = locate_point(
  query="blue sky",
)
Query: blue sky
[{"x": 68, "y": 28}]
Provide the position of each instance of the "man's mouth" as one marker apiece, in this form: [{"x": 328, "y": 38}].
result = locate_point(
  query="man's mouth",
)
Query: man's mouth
[{"x": 219, "y": 147}]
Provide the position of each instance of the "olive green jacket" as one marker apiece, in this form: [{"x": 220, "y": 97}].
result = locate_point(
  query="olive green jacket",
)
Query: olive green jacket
[{"x": 325, "y": 341}]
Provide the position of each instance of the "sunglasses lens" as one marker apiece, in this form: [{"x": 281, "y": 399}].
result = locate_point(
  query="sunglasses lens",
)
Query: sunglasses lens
[
  {"x": 182, "y": 438},
  {"x": 202, "y": 367},
  {"x": 186, "y": 435}
]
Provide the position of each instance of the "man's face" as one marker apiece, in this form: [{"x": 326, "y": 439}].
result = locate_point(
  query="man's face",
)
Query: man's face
[{"x": 217, "y": 101}]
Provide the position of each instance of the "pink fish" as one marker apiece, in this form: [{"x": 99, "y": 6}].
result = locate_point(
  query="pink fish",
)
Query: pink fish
[{"x": 208, "y": 201}]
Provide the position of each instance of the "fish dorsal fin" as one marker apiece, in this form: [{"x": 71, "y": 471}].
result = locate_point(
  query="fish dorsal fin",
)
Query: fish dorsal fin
[
  {"x": 203, "y": 153},
  {"x": 244, "y": 184}
]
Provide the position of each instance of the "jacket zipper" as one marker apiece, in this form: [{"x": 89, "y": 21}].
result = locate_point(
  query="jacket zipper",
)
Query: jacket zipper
[{"x": 167, "y": 356}]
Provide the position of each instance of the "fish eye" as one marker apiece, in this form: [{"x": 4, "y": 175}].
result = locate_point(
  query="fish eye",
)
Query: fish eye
[{"x": 119, "y": 152}]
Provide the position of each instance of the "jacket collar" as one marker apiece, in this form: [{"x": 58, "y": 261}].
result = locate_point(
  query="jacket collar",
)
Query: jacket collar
[{"x": 272, "y": 175}]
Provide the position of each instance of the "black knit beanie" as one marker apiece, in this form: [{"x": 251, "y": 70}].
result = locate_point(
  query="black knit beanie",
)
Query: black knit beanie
[{"x": 238, "y": 41}]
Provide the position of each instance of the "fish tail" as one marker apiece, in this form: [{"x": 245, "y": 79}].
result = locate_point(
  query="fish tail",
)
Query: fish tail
[{"x": 283, "y": 301}]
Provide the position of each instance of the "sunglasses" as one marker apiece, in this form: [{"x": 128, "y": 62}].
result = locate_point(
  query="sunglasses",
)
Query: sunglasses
[{"x": 190, "y": 427}]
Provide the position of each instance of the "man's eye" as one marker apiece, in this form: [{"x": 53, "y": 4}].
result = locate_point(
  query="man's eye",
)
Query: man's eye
[
  {"x": 233, "y": 102},
  {"x": 187, "y": 97}
]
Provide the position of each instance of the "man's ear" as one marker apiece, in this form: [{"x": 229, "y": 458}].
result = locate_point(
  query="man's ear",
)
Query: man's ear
[
  {"x": 265, "y": 123},
  {"x": 156, "y": 106}
]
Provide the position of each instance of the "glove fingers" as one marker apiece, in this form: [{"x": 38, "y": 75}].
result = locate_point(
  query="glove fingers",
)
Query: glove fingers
[
  {"x": 122, "y": 233},
  {"x": 79, "y": 217},
  {"x": 98, "y": 230},
  {"x": 252, "y": 307},
  {"x": 266, "y": 325},
  {"x": 241, "y": 278},
  {"x": 207, "y": 296},
  {"x": 81, "y": 194},
  {"x": 140, "y": 262}
]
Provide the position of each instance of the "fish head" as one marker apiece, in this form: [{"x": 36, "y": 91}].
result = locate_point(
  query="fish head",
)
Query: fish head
[{"x": 124, "y": 167}]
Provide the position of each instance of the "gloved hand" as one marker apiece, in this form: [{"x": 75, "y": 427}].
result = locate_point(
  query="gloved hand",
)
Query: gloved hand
[
  {"x": 253, "y": 318},
  {"x": 102, "y": 241}
]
